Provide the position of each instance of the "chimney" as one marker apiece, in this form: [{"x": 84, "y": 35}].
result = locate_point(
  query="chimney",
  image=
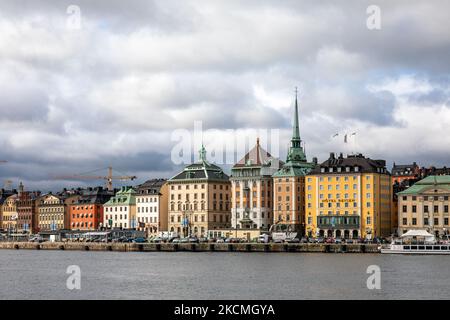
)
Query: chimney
[
  {"x": 314, "y": 160},
  {"x": 331, "y": 155},
  {"x": 341, "y": 156}
]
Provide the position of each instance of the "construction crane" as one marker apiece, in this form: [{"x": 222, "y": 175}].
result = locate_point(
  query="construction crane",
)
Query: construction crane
[{"x": 108, "y": 179}]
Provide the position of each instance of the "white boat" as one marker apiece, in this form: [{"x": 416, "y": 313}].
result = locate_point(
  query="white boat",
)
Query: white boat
[{"x": 417, "y": 242}]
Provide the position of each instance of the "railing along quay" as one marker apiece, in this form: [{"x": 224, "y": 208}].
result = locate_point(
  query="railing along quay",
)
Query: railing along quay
[{"x": 195, "y": 247}]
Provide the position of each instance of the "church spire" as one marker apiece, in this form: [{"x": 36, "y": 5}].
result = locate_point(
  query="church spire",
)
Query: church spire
[
  {"x": 295, "y": 127},
  {"x": 296, "y": 153}
]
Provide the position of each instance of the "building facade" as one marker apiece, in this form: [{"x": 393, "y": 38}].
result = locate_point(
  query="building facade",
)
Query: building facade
[
  {"x": 26, "y": 210},
  {"x": 152, "y": 206},
  {"x": 53, "y": 210},
  {"x": 10, "y": 215},
  {"x": 199, "y": 199},
  {"x": 252, "y": 190},
  {"x": 120, "y": 210},
  {"x": 86, "y": 213},
  {"x": 289, "y": 183},
  {"x": 425, "y": 206},
  {"x": 349, "y": 198}
]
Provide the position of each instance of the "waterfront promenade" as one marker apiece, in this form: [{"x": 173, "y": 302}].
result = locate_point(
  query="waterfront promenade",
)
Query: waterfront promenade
[{"x": 195, "y": 247}]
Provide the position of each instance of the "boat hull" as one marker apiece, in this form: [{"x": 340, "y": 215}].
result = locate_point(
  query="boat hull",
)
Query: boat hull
[{"x": 417, "y": 249}]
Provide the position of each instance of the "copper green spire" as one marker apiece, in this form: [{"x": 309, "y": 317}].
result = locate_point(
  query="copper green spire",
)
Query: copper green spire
[
  {"x": 296, "y": 152},
  {"x": 295, "y": 128}
]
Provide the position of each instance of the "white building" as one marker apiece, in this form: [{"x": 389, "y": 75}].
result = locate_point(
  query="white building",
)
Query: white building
[
  {"x": 151, "y": 206},
  {"x": 252, "y": 190},
  {"x": 120, "y": 210}
]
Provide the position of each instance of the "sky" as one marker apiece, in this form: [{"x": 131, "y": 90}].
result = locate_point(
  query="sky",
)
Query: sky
[{"x": 114, "y": 82}]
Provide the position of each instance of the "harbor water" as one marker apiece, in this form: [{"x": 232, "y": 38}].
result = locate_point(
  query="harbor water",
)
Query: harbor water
[{"x": 41, "y": 274}]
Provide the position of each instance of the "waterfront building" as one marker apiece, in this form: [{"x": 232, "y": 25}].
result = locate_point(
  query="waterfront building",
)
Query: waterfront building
[
  {"x": 152, "y": 206},
  {"x": 289, "y": 183},
  {"x": 9, "y": 210},
  {"x": 26, "y": 210},
  {"x": 247, "y": 234},
  {"x": 402, "y": 172},
  {"x": 4, "y": 194},
  {"x": 199, "y": 199},
  {"x": 349, "y": 198},
  {"x": 425, "y": 205},
  {"x": 53, "y": 210},
  {"x": 86, "y": 213},
  {"x": 252, "y": 189},
  {"x": 120, "y": 210}
]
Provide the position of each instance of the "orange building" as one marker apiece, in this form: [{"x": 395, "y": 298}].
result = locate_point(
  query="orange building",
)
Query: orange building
[{"x": 87, "y": 212}]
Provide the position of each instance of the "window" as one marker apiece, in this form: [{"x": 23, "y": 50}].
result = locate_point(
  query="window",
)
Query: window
[
  {"x": 414, "y": 221},
  {"x": 446, "y": 221},
  {"x": 414, "y": 208},
  {"x": 436, "y": 209},
  {"x": 425, "y": 221},
  {"x": 436, "y": 221},
  {"x": 425, "y": 209},
  {"x": 405, "y": 221}
]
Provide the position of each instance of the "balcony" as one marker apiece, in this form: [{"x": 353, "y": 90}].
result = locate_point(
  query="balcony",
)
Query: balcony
[{"x": 338, "y": 222}]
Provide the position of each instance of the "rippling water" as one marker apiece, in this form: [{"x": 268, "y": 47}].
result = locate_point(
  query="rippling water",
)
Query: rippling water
[{"x": 28, "y": 274}]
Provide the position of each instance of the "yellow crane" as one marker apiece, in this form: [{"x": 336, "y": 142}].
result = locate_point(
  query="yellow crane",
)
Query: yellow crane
[{"x": 108, "y": 178}]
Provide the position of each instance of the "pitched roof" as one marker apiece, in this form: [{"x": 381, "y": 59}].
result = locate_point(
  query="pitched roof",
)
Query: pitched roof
[
  {"x": 430, "y": 182},
  {"x": 256, "y": 157},
  {"x": 364, "y": 165},
  {"x": 151, "y": 186},
  {"x": 201, "y": 170}
]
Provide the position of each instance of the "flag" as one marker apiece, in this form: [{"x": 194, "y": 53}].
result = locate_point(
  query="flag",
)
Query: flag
[
  {"x": 335, "y": 135},
  {"x": 345, "y": 138},
  {"x": 354, "y": 133}
]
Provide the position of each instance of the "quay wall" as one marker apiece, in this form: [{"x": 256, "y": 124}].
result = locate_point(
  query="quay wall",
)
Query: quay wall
[{"x": 194, "y": 247}]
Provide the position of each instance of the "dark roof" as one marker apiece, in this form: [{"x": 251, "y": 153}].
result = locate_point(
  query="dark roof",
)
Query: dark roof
[
  {"x": 201, "y": 170},
  {"x": 94, "y": 196},
  {"x": 152, "y": 186},
  {"x": 363, "y": 165},
  {"x": 404, "y": 169}
]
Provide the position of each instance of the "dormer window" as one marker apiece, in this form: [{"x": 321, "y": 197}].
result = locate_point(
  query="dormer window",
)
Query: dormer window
[
  {"x": 330, "y": 169},
  {"x": 347, "y": 169},
  {"x": 356, "y": 169},
  {"x": 322, "y": 170}
]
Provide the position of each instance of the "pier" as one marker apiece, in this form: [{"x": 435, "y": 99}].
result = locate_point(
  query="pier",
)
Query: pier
[{"x": 194, "y": 247}]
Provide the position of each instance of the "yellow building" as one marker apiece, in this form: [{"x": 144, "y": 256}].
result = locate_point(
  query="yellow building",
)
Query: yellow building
[
  {"x": 199, "y": 199},
  {"x": 10, "y": 214},
  {"x": 349, "y": 198}
]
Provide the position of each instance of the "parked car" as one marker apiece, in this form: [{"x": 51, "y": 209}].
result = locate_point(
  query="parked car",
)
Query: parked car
[
  {"x": 176, "y": 240},
  {"x": 157, "y": 240},
  {"x": 220, "y": 240},
  {"x": 338, "y": 241},
  {"x": 193, "y": 240},
  {"x": 295, "y": 240},
  {"x": 320, "y": 240},
  {"x": 184, "y": 240},
  {"x": 264, "y": 238},
  {"x": 330, "y": 240},
  {"x": 202, "y": 240},
  {"x": 139, "y": 240}
]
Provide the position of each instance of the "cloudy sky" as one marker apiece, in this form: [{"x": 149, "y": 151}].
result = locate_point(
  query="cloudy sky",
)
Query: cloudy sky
[{"x": 114, "y": 90}]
